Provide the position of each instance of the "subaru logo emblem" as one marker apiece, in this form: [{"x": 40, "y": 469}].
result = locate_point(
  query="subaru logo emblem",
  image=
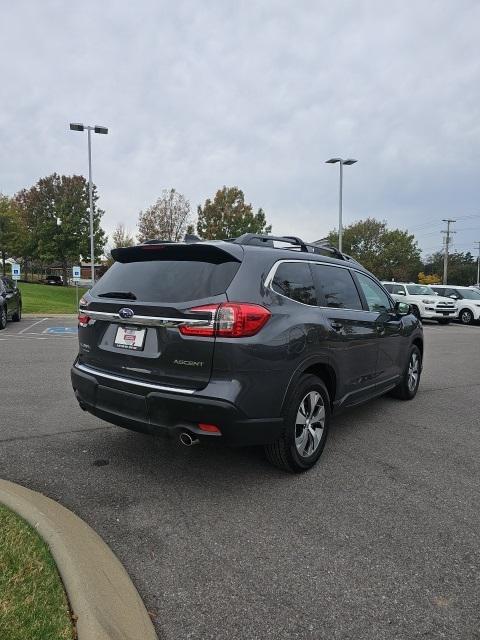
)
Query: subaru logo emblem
[{"x": 126, "y": 313}]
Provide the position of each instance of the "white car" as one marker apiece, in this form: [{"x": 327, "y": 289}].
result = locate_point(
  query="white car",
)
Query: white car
[
  {"x": 467, "y": 300},
  {"x": 425, "y": 302}
]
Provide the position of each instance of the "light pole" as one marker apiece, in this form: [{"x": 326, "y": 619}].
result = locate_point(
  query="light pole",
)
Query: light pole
[
  {"x": 341, "y": 162},
  {"x": 75, "y": 126}
]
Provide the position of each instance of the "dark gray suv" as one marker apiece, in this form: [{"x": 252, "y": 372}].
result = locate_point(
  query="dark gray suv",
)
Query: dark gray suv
[{"x": 254, "y": 341}]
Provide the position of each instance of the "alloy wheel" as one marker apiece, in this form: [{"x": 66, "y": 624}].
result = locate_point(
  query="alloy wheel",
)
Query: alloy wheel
[
  {"x": 309, "y": 424},
  {"x": 413, "y": 371}
]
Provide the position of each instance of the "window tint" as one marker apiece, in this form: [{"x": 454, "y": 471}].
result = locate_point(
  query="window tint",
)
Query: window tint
[
  {"x": 168, "y": 280},
  {"x": 377, "y": 299},
  {"x": 294, "y": 280},
  {"x": 336, "y": 287}
]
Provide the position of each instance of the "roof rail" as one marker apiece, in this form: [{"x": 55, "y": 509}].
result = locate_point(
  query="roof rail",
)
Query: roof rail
[{"x": 296, "y": 244}]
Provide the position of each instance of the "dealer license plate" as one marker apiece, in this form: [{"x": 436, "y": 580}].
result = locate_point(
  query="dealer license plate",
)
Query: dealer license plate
[{"x": 130, "y": 338}]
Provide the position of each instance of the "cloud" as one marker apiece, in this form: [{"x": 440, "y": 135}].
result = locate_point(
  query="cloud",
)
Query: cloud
[{"x": 256, "y": 94}]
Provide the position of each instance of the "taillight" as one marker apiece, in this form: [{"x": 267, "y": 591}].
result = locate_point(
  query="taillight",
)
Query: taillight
[
  {"x": 83, "y": 319},
  {"x": 229, "y": 320}
]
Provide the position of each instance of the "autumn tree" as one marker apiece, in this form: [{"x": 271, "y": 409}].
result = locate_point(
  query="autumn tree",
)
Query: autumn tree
[
  {"x": 387, "y": 253},
  {"x": 228, "y": 216},
  {"x": 167, "y": 219},
  {"x": 55, "y": 214}
]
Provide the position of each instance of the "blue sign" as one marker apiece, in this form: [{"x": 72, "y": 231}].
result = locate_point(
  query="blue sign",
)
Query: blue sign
[
  {"x": 76, "y": 273},
  {"x": 16, "y": 271},
  {"x": 61, "y": 330}
]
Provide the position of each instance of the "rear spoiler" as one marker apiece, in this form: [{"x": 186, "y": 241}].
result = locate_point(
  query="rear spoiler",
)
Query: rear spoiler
[{"x": 214, "y": 252}]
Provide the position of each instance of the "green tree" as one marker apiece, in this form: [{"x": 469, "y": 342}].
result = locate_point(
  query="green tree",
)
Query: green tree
[
  {"x": 167, "y": 219},
  {"x": 387, "y": 253},
  {"x": 462, "y": 267},
  {"x": 55, "y": 213},
  {"x": 9, "y": 230},
  {"x": 228, "y": 216}
]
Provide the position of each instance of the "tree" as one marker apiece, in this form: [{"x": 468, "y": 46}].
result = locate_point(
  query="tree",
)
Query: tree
[
  {"x": 10, "y": 229},
  {"x": 388, "y": 253},
  {"x": 55, "y": 214},
  {"x": 462, "y": 267},
  {"x": 229, "y": 217},
  {"x": 167, "y": 219},
  {"x": 120, "y": 238},
  {"x": 433, "y": 278}
]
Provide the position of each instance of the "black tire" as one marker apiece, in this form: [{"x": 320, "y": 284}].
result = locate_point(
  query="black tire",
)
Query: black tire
[
  {"x": 444, "y": 321},
  {"x": 405, "y": 390},
  {"x": 465, "y": 316},
  {"x": 284, "y": 452},
  {"x": 17, "y": 316},
  {"x": 3, "y": 317}
]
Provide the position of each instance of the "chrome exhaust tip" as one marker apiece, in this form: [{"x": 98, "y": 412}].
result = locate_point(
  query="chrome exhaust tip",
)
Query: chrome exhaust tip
[{"x": 187, "y": 440}]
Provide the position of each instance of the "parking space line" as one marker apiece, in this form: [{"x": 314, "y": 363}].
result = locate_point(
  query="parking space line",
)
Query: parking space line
[{"x": 32, "y": 325}]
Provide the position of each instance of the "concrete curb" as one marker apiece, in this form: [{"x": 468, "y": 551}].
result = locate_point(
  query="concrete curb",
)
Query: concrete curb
[{"x": 101, "y": 594}]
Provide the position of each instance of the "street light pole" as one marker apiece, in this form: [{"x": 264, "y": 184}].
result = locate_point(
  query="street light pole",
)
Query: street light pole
[
  {"x": 341, "y": 162},
  {"x": 96, "y": 129},
  {"x": 90, "y": 198}
]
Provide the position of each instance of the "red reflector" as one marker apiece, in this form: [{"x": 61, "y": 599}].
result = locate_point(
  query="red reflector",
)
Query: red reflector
[
  {"x": 211, "y": 428},
  {"x": 83, "y": 319}
]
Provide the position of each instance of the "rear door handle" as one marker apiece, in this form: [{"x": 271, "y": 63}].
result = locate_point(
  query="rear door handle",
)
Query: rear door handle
[{"x": 336, "y": 326}]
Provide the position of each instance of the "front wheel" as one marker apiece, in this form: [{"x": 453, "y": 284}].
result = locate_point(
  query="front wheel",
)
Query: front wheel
[
  {"x": 408, "y": 387},
  {"x": 466, "y": 316},
  {"x": 306, "y": 420}
]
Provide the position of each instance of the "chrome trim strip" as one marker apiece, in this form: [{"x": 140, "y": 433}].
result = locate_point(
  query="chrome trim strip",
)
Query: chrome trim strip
[
  {"x": 151, "y": 321},
  {"x": 147, "y": 385}
]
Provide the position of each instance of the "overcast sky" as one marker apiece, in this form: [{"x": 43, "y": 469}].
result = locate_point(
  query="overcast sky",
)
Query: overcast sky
[{"x": 200, "y": 94}]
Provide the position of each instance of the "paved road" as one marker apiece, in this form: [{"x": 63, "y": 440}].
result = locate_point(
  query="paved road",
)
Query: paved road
[{"x": 380, "y": 541}]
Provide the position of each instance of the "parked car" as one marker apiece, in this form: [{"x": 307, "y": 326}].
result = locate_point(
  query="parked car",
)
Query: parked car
[
  {"x": 467, "y": 300},
  {"x": 54, "y": 280},
  {"x": 425, "y": 302},
  {"x": 10, "y": 301},
  {"x": 254, "y": 341}
]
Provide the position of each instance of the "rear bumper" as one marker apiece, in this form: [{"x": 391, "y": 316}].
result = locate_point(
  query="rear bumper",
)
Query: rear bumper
[{"x": 123, "y": 403}]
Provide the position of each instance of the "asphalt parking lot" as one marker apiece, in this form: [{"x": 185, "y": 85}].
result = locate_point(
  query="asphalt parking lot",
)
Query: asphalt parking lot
[{"x": 380, "y": 541}]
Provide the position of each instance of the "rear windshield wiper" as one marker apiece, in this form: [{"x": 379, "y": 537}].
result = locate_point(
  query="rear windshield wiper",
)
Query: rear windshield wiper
[{"x": 123, "y": 295}]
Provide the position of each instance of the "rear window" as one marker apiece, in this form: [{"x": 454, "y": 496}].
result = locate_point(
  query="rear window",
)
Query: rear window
[{"x": 168, "y": 280}]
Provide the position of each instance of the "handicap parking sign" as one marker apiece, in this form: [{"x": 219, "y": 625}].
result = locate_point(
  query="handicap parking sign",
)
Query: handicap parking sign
[
  {"x": 76, "y": 273},
  {"x": 15, "y": 272}
]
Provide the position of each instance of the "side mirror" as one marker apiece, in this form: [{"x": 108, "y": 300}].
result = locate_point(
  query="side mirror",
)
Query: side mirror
[
  {"x": 401, "y": 293},
  {"x": 402, "y": 308},
  {"x": 453, "y": 297}
]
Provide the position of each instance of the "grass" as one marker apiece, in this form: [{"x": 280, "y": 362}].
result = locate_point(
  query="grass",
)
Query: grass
[
  {"x": 33, "y": 604},
  {"x": 42, "y": 298}
]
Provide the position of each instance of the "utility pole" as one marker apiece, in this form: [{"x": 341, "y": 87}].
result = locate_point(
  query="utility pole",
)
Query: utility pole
[
  {"x": 447, "y": 233},
  {"x": 478, "y": 263}
]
